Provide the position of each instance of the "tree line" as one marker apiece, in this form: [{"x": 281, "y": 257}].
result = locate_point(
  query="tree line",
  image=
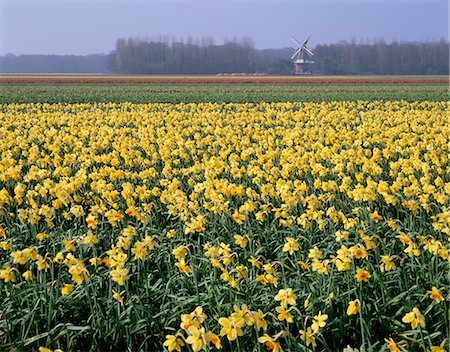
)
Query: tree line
[
  {"x": 135, "y": 56},
  {"x": 94, "y": 63},
  {"x": 204, "y": 56},
  {"x": 380, "y": 58}
]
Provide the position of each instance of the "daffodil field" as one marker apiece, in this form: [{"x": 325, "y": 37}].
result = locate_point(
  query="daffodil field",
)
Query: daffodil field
[{"x": 290, "y": 226}]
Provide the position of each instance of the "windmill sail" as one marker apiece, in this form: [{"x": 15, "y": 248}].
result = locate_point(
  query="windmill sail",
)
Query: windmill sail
[{"x": 302, "y": 57}]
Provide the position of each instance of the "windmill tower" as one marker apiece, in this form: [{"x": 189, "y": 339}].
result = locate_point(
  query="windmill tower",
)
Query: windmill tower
[{"x": 302, "y": 58}]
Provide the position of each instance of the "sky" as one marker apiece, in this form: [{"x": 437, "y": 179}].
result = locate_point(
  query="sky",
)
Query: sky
[{"x": 83, "y": 27}]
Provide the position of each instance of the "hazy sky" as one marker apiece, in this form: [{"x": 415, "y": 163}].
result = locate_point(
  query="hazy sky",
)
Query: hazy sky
[{"x": 83, "y": 27}]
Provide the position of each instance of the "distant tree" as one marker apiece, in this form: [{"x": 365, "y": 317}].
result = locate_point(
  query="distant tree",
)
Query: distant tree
[
  {"x": 94, "y": 63},
  {"x": 163, "y": 55},
  {"x": 382, "y": 58}
]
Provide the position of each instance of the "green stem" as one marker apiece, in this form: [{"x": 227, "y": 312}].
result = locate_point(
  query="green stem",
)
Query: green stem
[
  {"x": 237, "y": 343},
  {"x": 422, "y": 337},
  {"x": 361, "y": 321}
]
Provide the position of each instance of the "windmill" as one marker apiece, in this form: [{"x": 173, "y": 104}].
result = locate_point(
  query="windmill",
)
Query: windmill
[{"x": 302, "y": 58}]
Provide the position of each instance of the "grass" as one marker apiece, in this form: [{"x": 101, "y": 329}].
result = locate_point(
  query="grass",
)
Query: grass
[{"x": 223, "y": 92}]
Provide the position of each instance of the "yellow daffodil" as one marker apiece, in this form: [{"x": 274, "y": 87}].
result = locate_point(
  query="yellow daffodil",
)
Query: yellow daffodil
[
  {"x": 319, "y": 321},
  {"x": 436, "y": 294},
  {"x": 290, "y": 246},
  {"x": 387, "y": 263},
  {"x": 243, "y": 313},
  {"x": 214, "y": 339},
  {"x": 187, "y": 321},
  {"x": 362, "y": 275},
  {"x": 42, "y": 263},
  {"x": 360, "y": 252},
  {"x": 173, "y": 343},
  {"x": 45, "y": 349},
  {"x": 140, "y": 251},
  {"x": 58, "y": 258},
  {"x": 308, "y": 337},
  {"x": 91, "y": 221},
  {"x": 180, "y": 252},
  {"x": 270, "y": 343},
  {"x": 306, "y": 302},
  {"x": 315, "y": 253},
  {"x": 320, "y": 267},
  {"x": 41, "y": 236},
  {"x": 119, "y": 275},
  {"x": 254, "y": 262},
  {"x": 196, "y": 338},
  {"x": 19, "y": 257},
  {"x": 67, "y": 289},
  {"x": 304, "y": 266},
  {"x": 353, "y": 307},
  {"x": 392, "y": 345},
  {"x": 183, "y": 267},
  {"x": 283, "y": 314},
  {"x": 127, "y": 193},
  {"x": 90, "y": 239},
  {"x": 79, "y": 273},
  {"x": 415, "y": 318},
  {"x": 77, "y": 210},
  {"x": 95, "y": 261},
  {"x": 341, "y": 235},
  {"x": 171, "y": 233},
  {"x": 286, "y": 296},
  {"x": 375, "y": 216},
  {"x": 117, "y": 297},
  {"x": 240, "y": 241},
  {"x": 231, "y": 328},
  {"x": 5, "y": 245},
  {"x": 260, "y": 322},
  {"x": 27, "y": 275},
  {"x": 68, "y": 245},
  {"x": 198, "y": 315}
]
